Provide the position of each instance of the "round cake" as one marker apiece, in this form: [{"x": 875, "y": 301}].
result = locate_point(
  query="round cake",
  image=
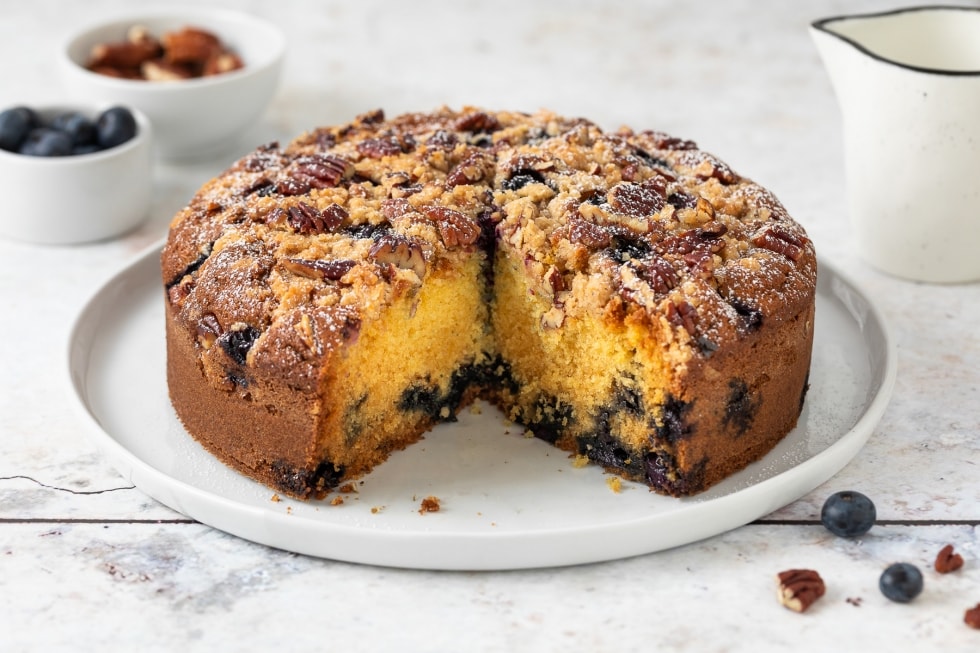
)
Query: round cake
[{"x": 625, "y": 296}]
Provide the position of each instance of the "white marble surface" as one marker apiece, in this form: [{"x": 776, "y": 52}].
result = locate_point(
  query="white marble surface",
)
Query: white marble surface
[{"x": 88, "y": 562}]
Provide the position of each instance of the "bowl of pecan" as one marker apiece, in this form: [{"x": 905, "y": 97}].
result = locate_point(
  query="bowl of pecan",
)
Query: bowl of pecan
[
  {"x": 73, "y": 174},
  {"x": 203, "y": 76}
]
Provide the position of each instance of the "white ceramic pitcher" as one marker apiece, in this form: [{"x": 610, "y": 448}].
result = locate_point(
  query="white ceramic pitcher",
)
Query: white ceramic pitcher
[{"x": 908, "y": 86}]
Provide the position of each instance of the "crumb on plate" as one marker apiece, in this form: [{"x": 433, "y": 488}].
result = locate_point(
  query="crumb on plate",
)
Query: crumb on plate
[{"x": 429, "y": 504}]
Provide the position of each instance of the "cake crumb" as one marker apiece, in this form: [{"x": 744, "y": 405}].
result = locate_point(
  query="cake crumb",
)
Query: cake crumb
[
  {"x": 475, "y": 409},
  {"x": 376, "y": 509},
  {"x": 429, "y": 504},
  {"x": 347, "y": 488},
  {"x": 529, "y": 434},
  {"x": 337, "y": 501},
  {"x": 580, "y": 461},
  {"x": 444, "y": 412},
  {"x": 615, "y": 483},
  {"x": 275, "y": 498}
]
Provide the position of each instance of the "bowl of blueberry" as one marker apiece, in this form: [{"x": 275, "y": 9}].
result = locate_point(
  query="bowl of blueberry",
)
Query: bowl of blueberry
[
  {"x": 204, "y": 76},
  {"x": 73, "y": 174}
]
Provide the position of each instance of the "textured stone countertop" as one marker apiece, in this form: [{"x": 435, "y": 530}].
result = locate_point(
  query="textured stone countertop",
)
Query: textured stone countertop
[{"x": 89, "y": 562}]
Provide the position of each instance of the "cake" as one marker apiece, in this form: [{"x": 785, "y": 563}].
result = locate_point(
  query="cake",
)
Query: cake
[{"x": 623, "y": 295}]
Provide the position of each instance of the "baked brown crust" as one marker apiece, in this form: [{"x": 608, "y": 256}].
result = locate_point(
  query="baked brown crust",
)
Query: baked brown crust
[{"x": 625, "y": 295}]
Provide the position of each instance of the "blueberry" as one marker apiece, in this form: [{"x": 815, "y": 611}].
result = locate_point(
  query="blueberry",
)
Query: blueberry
[
  {"x": 628, "y": 246},
  {"x": 15, "y": 124},
  {"x": 901, "y": 582},
  {"x": 522, "y": 178},
  {"x": 682, "y": 200},
  {"x": 88, "y": 148},
  {"x": 848, "y": 514},
  {"x": 237, "y": 343},
  {"x": 114, "y": 127},
  {"x": 46, "y": 142},
  {"x": 80, "y": 129}
]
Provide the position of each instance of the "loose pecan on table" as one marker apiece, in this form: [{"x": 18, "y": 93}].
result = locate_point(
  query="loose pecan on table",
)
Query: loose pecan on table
[
  {"x": 799, "y": 588},
  {"x": 947, "y": 560},
  {"x": 972, "y": 617}
]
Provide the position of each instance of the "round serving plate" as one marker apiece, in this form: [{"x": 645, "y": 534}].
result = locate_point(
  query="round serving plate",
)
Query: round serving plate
[{"x": 506, "y": 501}]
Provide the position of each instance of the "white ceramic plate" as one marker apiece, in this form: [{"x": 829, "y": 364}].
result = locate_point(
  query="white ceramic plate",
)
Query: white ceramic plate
[{"x": 507, "y": 501}]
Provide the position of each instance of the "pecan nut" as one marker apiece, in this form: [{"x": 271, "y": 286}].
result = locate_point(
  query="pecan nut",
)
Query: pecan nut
[
  {"x": 400, "y": 251},
  {"x": 323, "y": 170},
  {"x": 180, "y": 54},
  {"x": 309, "y": 220},
  {"x": 777, "y": 239},
  {"x": 455, "y": 228},
  {"x": 972, "y": 617},
  {"x": 222, "y": 62},
  {"x": 681, "y": 314},
  {"x": 395, "y": 207},
  {"x": 159, "y": 70},
  {"x": 378, "y": 148},
  {"x": 208, "y": 330},
  {"x": 706, "y": 166},
  {"x": 190, "y": 45},
  {"x": 637, "y": 200},
  {"x": 553, "y": 318},
  {"x": 122, "y": 55},
  {"x": 657, "y": 272},
  {"x": 331, "y": 269},
  {"x": 664, "y": 141},
  {"x": 477, "y": 122},
  {"x": 472, "y": 169},
  {"x": 555, "y": 280},
  {"x": 947, "y": 560},
  {"x": 799, "y": 588},
  {"x": 586, "y": 233}
]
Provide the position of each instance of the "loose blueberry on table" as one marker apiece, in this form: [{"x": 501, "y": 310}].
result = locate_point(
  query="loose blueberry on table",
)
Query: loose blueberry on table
[
  {"x": 901, "y": 582},
  {"x": 68, "y": 133},
  {"x": 848, "y": 514}
]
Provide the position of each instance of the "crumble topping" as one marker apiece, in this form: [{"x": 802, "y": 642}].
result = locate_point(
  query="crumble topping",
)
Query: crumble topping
[{"x": 315, "y": 236}]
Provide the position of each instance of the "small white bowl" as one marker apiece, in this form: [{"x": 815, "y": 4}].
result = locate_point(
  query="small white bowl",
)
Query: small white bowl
[
  {"x": 68, "y": 200},
  {"x": 194, "y": 118}
]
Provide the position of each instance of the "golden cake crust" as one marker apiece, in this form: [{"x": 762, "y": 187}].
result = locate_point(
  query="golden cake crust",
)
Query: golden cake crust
[{"x": 625, "y": 295}]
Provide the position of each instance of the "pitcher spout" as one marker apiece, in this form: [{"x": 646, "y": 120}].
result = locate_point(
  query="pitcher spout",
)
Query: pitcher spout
[{"x": 837, "y": 54}]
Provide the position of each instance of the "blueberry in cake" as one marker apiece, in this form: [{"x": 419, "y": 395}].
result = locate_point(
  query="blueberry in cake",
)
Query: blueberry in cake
[{"x": 625, "y": 295}]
